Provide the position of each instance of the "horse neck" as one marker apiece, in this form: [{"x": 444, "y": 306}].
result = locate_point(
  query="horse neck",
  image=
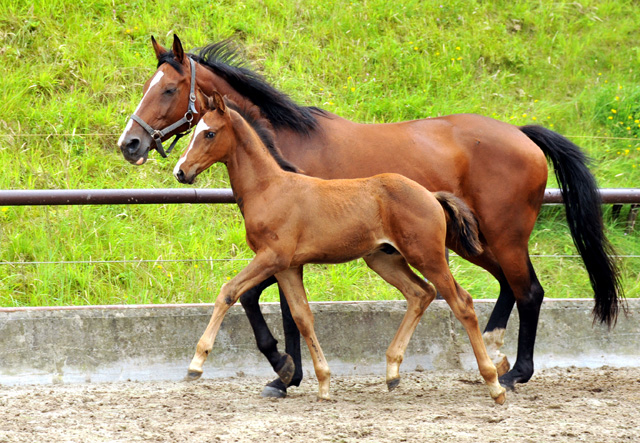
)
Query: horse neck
[
  {"x": 251, "y": 167},
  {"x": 208, "y": 82}
]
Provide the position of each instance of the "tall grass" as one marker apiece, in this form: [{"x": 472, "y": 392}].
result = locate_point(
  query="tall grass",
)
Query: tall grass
[{"x": 72, "y": 73}]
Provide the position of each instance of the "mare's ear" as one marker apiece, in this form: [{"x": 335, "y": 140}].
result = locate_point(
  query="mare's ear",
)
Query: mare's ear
[
  {"x": 159, "y": 50},
  {"x": 206, "y": 103},
  {"x": 220, "y": 105},
  {"x": 178, "y": 52}
]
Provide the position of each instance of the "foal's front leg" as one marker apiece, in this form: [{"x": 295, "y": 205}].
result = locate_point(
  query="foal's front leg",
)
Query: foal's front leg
[
  {"x": 291, "y": 283},
  {"x": 264, "y": 265}
]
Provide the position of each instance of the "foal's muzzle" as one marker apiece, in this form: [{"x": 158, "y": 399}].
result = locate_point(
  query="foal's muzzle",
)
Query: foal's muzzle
[{"x": 182, "y": 178}]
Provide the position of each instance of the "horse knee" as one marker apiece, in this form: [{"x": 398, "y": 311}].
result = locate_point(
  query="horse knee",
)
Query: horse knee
[
  {"x": 249, "y": 300},
  {"x": 304, "y": 323}
]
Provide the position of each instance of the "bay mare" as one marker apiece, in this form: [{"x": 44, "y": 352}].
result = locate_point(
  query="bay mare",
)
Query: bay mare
[
  {"x": 497, "y": 169},
  {"x": 388, "y": 220}
]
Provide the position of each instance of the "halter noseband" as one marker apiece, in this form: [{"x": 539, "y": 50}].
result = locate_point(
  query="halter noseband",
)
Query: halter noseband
[{"x": 158, "y": 134}]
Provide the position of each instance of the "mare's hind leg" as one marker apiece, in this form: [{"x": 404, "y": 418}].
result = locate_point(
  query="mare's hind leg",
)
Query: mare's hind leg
[
  {"x": 529, "y": 296},
  {"x": 283, "y": 364},
  {"x": 419, "y": 294},
  {"x": 291, "y": 283},
  {"x": 438, "y": 273}
]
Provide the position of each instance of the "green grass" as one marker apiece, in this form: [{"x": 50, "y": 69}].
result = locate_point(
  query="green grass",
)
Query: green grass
[{"x": 73, "y": 72}]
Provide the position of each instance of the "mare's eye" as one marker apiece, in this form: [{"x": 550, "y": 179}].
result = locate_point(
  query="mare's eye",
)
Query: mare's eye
[
  {"x": 170, "y": 91},
  {"x": 209, "y": 134}
]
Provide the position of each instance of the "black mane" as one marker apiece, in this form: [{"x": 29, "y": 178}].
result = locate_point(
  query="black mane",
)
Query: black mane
[
  {"x": 223, "y": 58},
  {"x": 263, "y": 128},
  {"x": 170, "y": 59}
]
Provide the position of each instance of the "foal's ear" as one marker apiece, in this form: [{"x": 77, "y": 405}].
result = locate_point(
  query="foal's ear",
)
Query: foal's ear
[
  {"x": 220, "y": 105},
  {"x": 206, "y": 102},
  {"x": 159, "y": 50},
  {"x": 178, "y": 52}
]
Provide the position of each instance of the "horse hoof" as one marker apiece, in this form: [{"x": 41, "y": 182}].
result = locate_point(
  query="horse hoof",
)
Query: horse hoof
[
  {"x": 500, "y": 399},
  {"x": 287, "y": 370},
  {"x": 503, "y": 366},
  {"x": 271, "y": 392},
  {"x": 393, "y": 383},
  {"x": 193, "y": 375}
]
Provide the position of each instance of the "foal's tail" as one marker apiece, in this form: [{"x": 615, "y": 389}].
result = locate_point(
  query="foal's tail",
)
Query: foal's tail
[
  {"x": 584, "y": 215},
  {"x": 462, "y": 226}
]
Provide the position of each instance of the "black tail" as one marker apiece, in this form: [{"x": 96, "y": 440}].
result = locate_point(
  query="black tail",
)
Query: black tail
[
  {"x": 584, "y": 215},
  {"x": 462, "y": 226}
]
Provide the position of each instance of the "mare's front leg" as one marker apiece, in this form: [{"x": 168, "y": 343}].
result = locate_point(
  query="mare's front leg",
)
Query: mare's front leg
[
  {"x": 291, "y": 283},
  {"x": 264, "y": 265},
  {"x": 289, "y": 374},
  {"x": 287, "y": 368}
]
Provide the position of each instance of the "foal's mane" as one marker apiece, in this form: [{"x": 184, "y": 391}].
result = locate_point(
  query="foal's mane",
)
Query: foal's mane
[
  {"x": 251, "y": 114},
  {"x": 224, "y": 59}
]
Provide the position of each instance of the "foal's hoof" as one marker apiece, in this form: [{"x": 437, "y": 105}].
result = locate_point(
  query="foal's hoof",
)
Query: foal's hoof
[
  {"x": 275, "y": 389},
  {"x": 287, "y": 370},
  {"x": 193, "y": 375},
  {"x": 500, "y": 399},
  {"x": 393, "y": 383}
]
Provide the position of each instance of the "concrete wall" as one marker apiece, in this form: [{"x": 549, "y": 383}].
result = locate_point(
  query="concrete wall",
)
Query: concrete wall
[{"x": 112, "y": 343}]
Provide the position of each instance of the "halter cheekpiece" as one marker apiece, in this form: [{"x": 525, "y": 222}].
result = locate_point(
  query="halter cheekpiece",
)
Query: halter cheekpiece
[{"x": 158, "y": 134}]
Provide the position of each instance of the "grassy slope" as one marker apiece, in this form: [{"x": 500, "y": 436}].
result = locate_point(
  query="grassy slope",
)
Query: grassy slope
[{"x": 78, "y": 67}]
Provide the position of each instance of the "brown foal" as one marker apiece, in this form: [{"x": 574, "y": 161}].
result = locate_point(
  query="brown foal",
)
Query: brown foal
[{"x": 292, "y": 219}]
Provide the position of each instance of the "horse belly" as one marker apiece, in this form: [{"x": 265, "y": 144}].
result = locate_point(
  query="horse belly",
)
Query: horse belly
[{"x": 340, "y": 226}]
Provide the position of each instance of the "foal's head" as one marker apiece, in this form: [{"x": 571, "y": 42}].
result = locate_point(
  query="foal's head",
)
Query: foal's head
[{"x": 211, "y": 142}]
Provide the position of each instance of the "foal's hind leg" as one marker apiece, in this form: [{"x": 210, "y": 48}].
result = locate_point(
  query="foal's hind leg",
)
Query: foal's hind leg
[
  {"x": 493, "y": 335},
  {"x": 461, "y": 304},
  {"x": 419, "y": 294},
  {"x": 291, "y": 283}
]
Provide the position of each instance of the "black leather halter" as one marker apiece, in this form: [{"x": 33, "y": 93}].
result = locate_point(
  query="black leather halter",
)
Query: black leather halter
[{"x": 158, "y": 134}]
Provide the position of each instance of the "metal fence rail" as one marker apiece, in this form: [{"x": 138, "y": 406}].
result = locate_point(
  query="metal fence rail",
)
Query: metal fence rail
[{"x": 194, "y": 195}]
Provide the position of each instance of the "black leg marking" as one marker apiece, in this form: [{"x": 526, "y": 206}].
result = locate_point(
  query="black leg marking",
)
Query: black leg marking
[
  {"x": 503, "y": 307},
  {"x": 292, "y": 340},
  {"x": 529, "y": 311},
  {"x": 267, "y": 344}
]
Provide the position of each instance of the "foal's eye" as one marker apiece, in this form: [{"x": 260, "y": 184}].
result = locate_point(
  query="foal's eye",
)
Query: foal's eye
[
  {"x": 170, "y": 91},
  {"x": 209, "y": 134}
]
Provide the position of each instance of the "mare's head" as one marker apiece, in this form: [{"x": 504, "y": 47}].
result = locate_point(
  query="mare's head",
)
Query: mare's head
[
  {"x": 211, "y": 142},
  {"x": 165, "y": 108}
]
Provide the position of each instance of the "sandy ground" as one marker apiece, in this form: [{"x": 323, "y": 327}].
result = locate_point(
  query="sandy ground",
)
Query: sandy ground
[{"x": 595, "y": 405}]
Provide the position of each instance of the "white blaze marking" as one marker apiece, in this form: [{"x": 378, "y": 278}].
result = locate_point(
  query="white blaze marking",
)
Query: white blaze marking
[
  {"x": 200, "y": 127},
  {"x": 154, "y": 82}
]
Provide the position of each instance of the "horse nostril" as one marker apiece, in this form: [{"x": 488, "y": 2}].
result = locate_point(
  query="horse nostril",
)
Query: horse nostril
[
  {"x": 132, "y": 145},
  {"x": 180, "y": 175}
]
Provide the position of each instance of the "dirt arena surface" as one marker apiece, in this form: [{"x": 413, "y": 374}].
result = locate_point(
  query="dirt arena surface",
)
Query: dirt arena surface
[{"x": 570, "y": 404}]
